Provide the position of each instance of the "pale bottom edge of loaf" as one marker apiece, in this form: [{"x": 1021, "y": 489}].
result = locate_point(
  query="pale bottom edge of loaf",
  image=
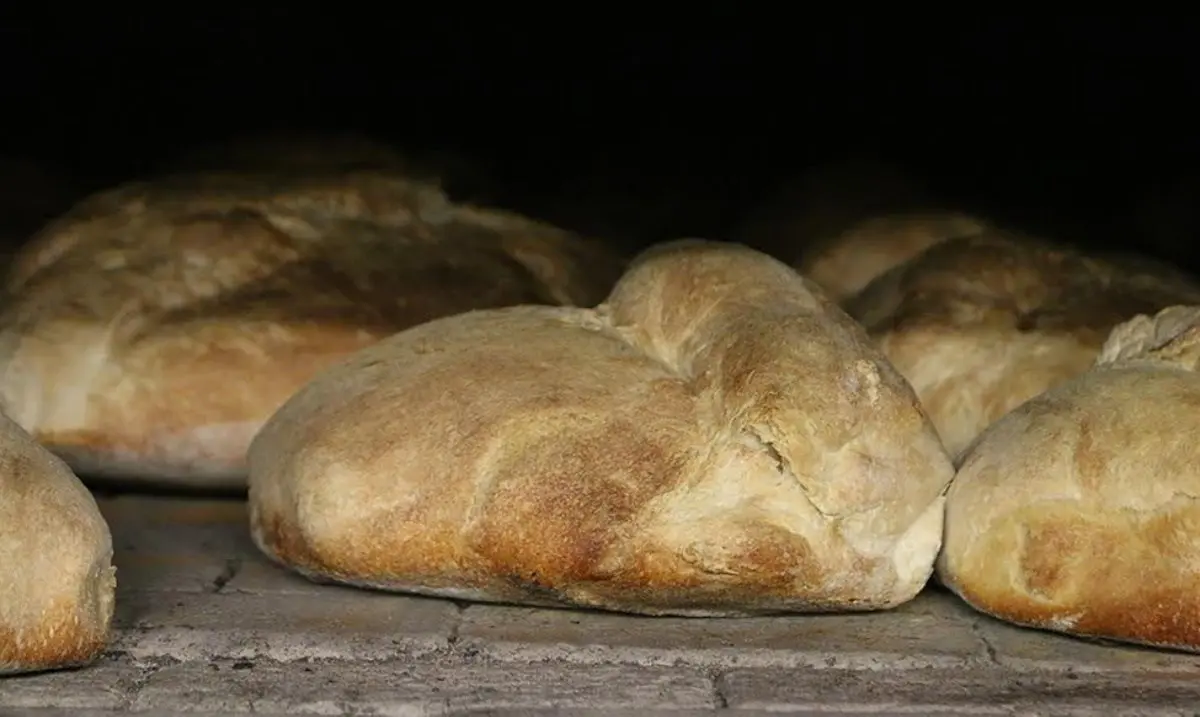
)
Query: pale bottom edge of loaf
[
  {"x": 18, "y": 668},
  {"x": 552, "y": 601},
  {"x": 1060, "y": 626}
]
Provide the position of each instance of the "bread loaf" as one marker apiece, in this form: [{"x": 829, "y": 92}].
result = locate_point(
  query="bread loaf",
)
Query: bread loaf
[
  {"x": 156, "y": 326},
  {"x": 1079, "y": 511},
  {"x": 979, "y": 325},
  {"x": 56, "y": 575},
  {"x": 717, "y": 438},
  {"x": 847, "y": 262}
]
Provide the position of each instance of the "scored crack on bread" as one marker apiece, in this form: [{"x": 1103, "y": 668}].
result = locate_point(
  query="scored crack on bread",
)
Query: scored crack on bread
[
  {"x": 57, "y": 581},
  {"x": 1079, "y": 512},
  {"x": 153, "y": 329},
  {"x": 717, "y": 438},
  {"x": 980, "y": 324}
]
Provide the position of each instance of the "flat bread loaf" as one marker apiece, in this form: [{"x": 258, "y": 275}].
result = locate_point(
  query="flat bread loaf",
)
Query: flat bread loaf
[
  {"x": 718, "y": 438},
  {"x": 1079, "y": 512},
  {"x": 153, "y": 328},
  {"x": 56, "y": 575},
  {"x": 978, "y": 325}
]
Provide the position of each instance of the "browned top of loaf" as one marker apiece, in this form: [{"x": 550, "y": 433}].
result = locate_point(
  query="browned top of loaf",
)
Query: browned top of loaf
[
  {"x": 1011, "y": 282},
  {"x": 225, "y": 243}
]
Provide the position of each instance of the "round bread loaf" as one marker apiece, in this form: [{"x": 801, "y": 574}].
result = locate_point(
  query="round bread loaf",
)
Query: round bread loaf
[
  {"x": 718, "y": 438},
  {"x": 845, "y": 263},
  {"x": 56, "y": 575},
  {"x": 1079, "y": 511},
  {"x": 978, "y": 325},
  {"x": 155, "y": 327}
]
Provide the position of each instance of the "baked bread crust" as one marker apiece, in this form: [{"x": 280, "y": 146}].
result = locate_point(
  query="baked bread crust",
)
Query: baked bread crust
[
  {"x": 978, "y": 325},
  {"x": 154, "y": 328},
  {"x": 717, "y": 438},
  {"x": 56, "y": 576},
  {"x": 1079, "y": 512},
  {"x": 845, "y": 263}
]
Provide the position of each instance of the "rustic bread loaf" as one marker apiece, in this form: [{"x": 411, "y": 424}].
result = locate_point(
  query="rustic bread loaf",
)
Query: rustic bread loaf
[
  {"x": 1079, "y": 511},
  {"x": 718, "y": 438},
  {"x": 56, "y": 575},
  {"x": 979, "y": 325},
  {"x": 845, "y": 263},
  {"x": 155, "y": 327}
]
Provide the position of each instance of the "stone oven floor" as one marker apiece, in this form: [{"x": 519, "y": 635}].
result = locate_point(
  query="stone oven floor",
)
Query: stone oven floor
[{"x": 205, "y": 625}]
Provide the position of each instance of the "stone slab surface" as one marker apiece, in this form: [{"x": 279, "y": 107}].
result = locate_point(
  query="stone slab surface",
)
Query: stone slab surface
[{"x": 205, "y": 625}]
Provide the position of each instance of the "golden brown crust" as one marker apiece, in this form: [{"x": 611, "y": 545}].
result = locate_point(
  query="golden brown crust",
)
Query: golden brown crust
[
  {"x": 59, "y": 640},
  {"x": 980, "y": 324},
  {"x": 1079, "y": 512},
  {"x": 57, "y": 582},
  {"x": 656, "y": 454},
  {"x": 845, "y": 263},
  {"x": 158, "y": 324}
]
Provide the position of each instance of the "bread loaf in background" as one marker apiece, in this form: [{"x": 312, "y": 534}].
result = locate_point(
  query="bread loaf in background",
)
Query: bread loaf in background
[
  {"x": 717, "y": 438},
  {"x": 57, "y": 581},
  {"x": 845, "y": 263},
  {"x": 1079, "y": 511},
  {"x": 979, "y": 325},
  {"x": 153, "y": 328}
]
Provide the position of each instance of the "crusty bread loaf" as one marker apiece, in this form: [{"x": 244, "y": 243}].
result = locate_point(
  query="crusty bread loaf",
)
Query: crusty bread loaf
[
  {"x": 979, "y": 325},
  {"x": 844, "y": 264},
  {"x": 56, "y": 575},
  {"x": 156, "y": 326},
  {"x": 1080, "y": 511},
  {"x": 718, "y": 438}
]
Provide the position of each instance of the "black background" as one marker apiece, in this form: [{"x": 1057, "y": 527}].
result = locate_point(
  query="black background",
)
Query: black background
[{"x": 1053, "y": 121}]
